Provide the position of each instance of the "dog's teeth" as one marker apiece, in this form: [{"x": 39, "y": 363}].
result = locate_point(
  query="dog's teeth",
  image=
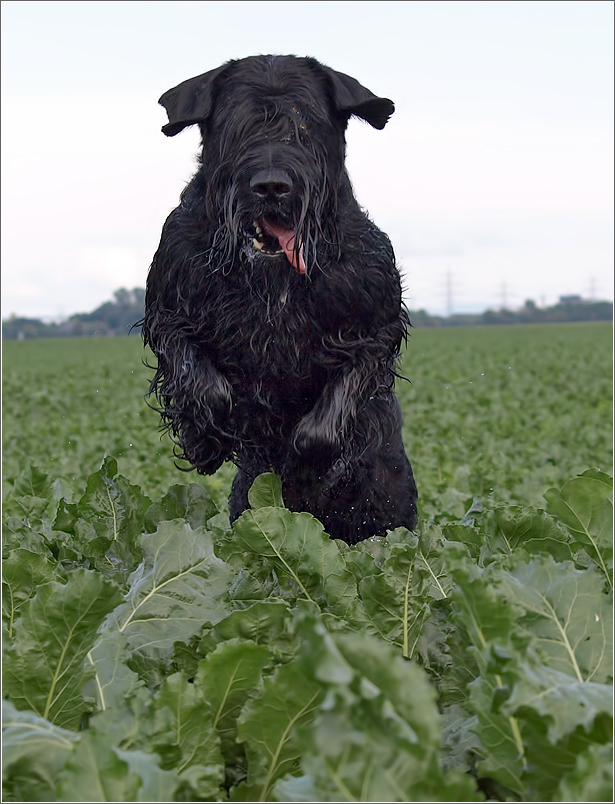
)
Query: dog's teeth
[
  {"x": 257, "y": 244},
  {"x": 258, "y": 229}
]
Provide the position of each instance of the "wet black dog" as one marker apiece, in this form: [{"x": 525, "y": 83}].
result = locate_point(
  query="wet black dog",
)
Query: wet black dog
[{"x": 273, "y": 303}]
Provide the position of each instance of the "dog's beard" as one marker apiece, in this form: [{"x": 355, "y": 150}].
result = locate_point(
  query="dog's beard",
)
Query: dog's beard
[
  {"x": 304, "y": 233},
  {"x": 300, "y": 230}
]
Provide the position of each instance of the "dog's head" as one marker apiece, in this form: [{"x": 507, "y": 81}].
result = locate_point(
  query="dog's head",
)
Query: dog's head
[{"x": 273, "y": 151}]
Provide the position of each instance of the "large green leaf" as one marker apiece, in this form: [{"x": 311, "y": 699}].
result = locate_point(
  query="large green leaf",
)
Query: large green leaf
[
  {"x": 511, "y": 527},
  {"x": 22, "y": 573},
  {"x": 585, "y": 505},
  {"x": 266, "y": 492},
  {"x": 520, "y": 703},
  {"x": 567, "y": 612},
  {"x": 480, "y": 610},
  {"x": 109, "y": 518},
  {"x": 33, "y": 482},
  {"x": 180, "y": 586},
  {"x": 33, "y": 497},
  {"x": 113, "y": 680},
  {"x": 44, "y": 669},
  {"x": 34, "y": 752},
  {"x": 118, "y": 692},
  {"x": 268, "y": 726},
  {"x": 485, "y": 627},
  {"x": 94, "y": 772},
  {"x": 385, "y": 676},
  {"x": 192, "y": 503},
  {"x": 156, "y": 784},
  {"x": 459, "y": 743},
  {"x": 431, "y": 571},
  {"x": 397, "y": 599},
  {"x": 17, "y": 533},
  {"x": 592, "y": 777},
  {"x": 183, "y": 733},
  {"x": 547, "y": 763},
  {"x": 300, "y": 550},
  {"x": 376, "y": 736},
  {"x": 394, "y": 613},
  {"x": 561, "y": 701},
  {"x": 501, "y": 750},
  {"x": 226, "y": 679},
  {"x": 267, "y": 622}
]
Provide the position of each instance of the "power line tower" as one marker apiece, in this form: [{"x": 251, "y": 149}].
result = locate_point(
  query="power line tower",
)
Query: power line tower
[
  {"x": 592, "y": 289},
  {"x": 504, "y": 297},
  {"x": 449, "y": 293}
]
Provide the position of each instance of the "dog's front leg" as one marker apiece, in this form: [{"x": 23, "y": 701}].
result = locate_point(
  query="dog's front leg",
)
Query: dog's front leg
[
  {"x": 320, "y": 434},
  {"x": 196, "y": 403}
]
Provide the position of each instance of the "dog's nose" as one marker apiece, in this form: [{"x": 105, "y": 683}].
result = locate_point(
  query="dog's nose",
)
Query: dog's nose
[{"x": 273, "y": 184}]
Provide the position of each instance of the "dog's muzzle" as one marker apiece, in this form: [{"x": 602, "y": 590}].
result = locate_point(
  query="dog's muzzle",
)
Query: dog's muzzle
[{"x": 273, "y": 239}]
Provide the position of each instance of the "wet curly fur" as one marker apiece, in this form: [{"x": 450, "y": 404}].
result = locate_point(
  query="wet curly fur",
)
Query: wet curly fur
[{"x": 281, "y": 355}]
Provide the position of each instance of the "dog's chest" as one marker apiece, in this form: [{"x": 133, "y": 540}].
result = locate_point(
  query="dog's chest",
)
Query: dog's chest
[
  {"x": 279, "y": 342},
  {"x": 270, "y": 340}
]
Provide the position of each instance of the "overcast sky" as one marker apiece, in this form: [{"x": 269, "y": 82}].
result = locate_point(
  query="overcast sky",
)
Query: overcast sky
[{"x": 494, "y": 177}]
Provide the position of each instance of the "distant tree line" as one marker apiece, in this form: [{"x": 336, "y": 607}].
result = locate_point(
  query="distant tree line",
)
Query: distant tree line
[
  {"x": 120, "y": 316},
  {"x": 117, "y": 317},
  {"x": 569, "y": 308}
]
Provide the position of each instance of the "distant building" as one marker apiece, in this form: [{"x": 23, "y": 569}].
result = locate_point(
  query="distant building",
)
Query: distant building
[{"x": 570, "y": 300}]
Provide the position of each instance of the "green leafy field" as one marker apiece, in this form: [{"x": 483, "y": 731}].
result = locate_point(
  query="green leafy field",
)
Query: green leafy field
[{"x": 152, "y": 653}]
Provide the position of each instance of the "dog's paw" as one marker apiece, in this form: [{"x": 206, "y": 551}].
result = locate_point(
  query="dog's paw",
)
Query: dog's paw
[
  {"x": 216, "y": 395},
  {"x": 315, "y": 444}
]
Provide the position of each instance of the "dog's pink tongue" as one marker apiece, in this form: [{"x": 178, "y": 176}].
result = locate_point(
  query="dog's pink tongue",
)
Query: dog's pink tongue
[{"x": 286, "y": 239}]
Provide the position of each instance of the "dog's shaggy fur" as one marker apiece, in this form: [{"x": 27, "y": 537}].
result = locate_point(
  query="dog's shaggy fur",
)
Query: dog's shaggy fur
[{"x": 273, "y": 303}]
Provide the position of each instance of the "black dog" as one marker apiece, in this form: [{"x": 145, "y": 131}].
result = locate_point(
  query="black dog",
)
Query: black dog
[{"x": 273, "y": 303}]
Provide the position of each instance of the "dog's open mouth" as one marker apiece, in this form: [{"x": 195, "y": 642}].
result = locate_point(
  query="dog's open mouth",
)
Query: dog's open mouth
[{"x": 271, "y": 240}]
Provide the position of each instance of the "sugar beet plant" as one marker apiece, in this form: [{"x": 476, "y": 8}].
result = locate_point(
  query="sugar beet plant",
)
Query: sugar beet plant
[{"x": 154, "y": 653}]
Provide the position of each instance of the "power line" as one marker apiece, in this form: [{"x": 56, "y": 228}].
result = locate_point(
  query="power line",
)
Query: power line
[{"x": 504, "y": 300}]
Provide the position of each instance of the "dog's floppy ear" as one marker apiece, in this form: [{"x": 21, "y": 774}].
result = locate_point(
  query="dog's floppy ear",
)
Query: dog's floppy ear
[
  {"x": 189, "y": 102},
  {"x": 353, "y": 98}
]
